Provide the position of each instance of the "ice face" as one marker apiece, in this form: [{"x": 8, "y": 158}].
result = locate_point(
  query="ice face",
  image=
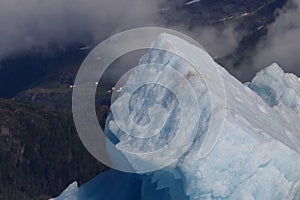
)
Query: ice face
[
  {"x": 255, "y": 156},
  {"x": 281, "y": 91},
  {"x": 277, "y": 87}
]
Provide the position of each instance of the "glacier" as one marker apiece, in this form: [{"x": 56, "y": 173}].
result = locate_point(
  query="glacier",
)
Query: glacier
[{"x": 254, "y": 156}]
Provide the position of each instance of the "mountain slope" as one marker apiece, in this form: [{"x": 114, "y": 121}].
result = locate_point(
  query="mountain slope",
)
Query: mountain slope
[{"x": 40, "y": 152}]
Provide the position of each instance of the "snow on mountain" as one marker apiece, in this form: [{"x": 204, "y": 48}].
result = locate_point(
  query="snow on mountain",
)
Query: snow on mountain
[
  {"x": 192, "y": 2},
  {"x": 255, "y": 156}
]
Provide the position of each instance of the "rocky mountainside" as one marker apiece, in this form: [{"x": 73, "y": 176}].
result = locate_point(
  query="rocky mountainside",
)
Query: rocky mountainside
[
  {"x": 54, "y": 67},
  {"x": 249, "y": 18},
  {"x": 40, "y": 152}
]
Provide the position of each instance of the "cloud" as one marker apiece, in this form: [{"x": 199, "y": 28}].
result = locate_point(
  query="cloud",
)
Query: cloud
[
  {"x": 36, "y": 23},
  {"x": 282, "y": 43},
  {"x": 219, "y": 42}
]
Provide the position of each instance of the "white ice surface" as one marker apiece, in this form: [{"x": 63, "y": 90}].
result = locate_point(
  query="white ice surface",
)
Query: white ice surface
[{"x": 256, "y": 156}]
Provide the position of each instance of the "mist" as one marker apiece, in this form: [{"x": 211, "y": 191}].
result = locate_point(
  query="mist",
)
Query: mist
[
  {"x": 37, "y": 23},
  {"x": 282, "y": 43},
  {"x": 34, "y": 24}
]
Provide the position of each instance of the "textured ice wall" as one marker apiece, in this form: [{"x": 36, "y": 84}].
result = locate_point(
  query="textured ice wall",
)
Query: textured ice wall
[
  {"x": 256, "y": 155},
  {"x": 282, "y": 92}
]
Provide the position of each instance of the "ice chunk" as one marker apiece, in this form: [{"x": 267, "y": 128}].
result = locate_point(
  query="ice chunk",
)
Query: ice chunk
[
  {"x": 255, "y": 156},
  {"x": 71, "y": 189},
  {"x": 277, "y": 87},
  {"x": 106, "y": 186}
]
